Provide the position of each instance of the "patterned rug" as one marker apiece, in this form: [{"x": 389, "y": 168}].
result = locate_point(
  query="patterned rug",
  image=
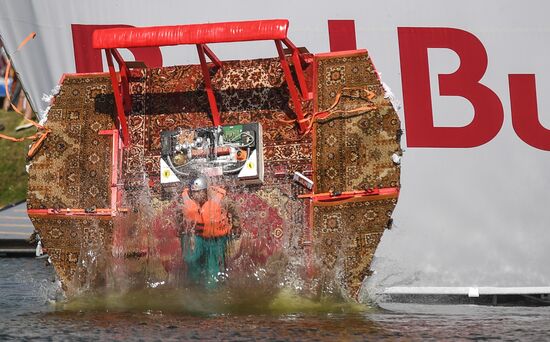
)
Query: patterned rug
[
  {"x": 72, "y": 243},
  {"x": 346, "y": 235},
  {"x": 72, "y": 170},
  {"x": 353, "y": 146},
  {"x": 338, "y": 70}
]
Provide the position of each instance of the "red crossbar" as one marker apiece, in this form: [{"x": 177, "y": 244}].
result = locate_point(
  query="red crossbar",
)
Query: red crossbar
[
  {"x": 116, "y": 166},
  {"x": 238, "y": 31},
  {"x": 371, "y": 193}
]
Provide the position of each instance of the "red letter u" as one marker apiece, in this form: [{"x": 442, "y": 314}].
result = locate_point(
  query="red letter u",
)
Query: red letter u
[{"x": 525, "y": 117}]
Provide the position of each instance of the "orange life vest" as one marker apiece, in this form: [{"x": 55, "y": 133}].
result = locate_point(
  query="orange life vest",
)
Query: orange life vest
[{"x": 211, "y": 219}]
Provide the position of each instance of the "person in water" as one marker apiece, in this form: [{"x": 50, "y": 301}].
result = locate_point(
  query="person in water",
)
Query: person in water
[{"x": 209, "y": 222}]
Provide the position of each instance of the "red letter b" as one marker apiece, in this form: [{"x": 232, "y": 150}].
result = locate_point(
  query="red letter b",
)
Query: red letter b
[{"x": 415, "y": 75}]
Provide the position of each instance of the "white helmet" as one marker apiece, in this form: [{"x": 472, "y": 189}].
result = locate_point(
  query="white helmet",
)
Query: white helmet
[{"x": 199, "y": 183}]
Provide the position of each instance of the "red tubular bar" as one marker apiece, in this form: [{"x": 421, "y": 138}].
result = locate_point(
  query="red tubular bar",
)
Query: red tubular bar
[
  {"x": 303, "y": 123},
  {"x": 72, "y": 212},
  {"x": 116, "y": 160},
  {"x": 212, "y": 56},
  {"x": 200, "y": 35},
  {"x": 121, "y": 115},
  {"x": 228, "y": 32},
  {"x": 208, "y": 86},
  {"x": 371, "y": 193},
  {"x": 298, "y": 59},
  {"x": 124, "y": 74}
]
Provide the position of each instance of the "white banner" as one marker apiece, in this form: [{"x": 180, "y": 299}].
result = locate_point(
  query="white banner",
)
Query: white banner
[{"x": 474, "y": 203}]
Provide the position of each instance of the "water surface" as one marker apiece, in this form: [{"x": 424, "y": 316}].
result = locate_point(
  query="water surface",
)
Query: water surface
[{"x": 30, "y": 311}]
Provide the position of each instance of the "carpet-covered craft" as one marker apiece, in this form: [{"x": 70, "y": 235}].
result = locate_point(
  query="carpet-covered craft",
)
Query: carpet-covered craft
[{"x": 104, "y": 182}]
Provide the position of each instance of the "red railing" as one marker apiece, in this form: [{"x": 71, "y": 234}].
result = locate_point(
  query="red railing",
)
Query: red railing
[{"x": 200, "y": 35}]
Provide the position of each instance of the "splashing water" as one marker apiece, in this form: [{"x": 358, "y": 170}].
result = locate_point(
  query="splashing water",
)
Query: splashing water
[{"x": 259, "y": 268}]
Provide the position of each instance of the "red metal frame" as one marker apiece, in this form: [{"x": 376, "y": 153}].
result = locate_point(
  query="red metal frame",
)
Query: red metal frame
[
  {"x": 208, "y": 85},
  {"x": 74, "y": 212},
  {"x": 121, "y": 91},
  {"x": 200, "y": 35},
  {"x": 116, "y": 165},
  {"x": 211, "y": 55},
  {"x": 303, "y": 123},
  {"x": 298, "y": 59}
]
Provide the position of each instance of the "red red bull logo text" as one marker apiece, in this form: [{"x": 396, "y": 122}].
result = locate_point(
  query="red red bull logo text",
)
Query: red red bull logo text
[{"x": 414, "y": 43}]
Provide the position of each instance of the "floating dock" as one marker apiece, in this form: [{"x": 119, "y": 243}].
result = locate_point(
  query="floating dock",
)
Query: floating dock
[
  {"x": 539, "y": 295},
  {"x": 15, "y": 230}
]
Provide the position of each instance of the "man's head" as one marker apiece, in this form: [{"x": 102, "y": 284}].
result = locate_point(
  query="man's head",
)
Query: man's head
[{"x": 198, "y": 189}]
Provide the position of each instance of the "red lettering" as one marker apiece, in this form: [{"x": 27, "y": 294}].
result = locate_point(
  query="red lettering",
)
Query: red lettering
[
  {"x": 488, "y": 113},
  {"x": 341, "y": 34},
  {"x": 523, "y": 103},
  {"x": 88, "y": 59}
]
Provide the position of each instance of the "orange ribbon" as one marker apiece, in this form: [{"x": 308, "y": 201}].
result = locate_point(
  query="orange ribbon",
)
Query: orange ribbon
[{"x": 39, "y": 136}]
